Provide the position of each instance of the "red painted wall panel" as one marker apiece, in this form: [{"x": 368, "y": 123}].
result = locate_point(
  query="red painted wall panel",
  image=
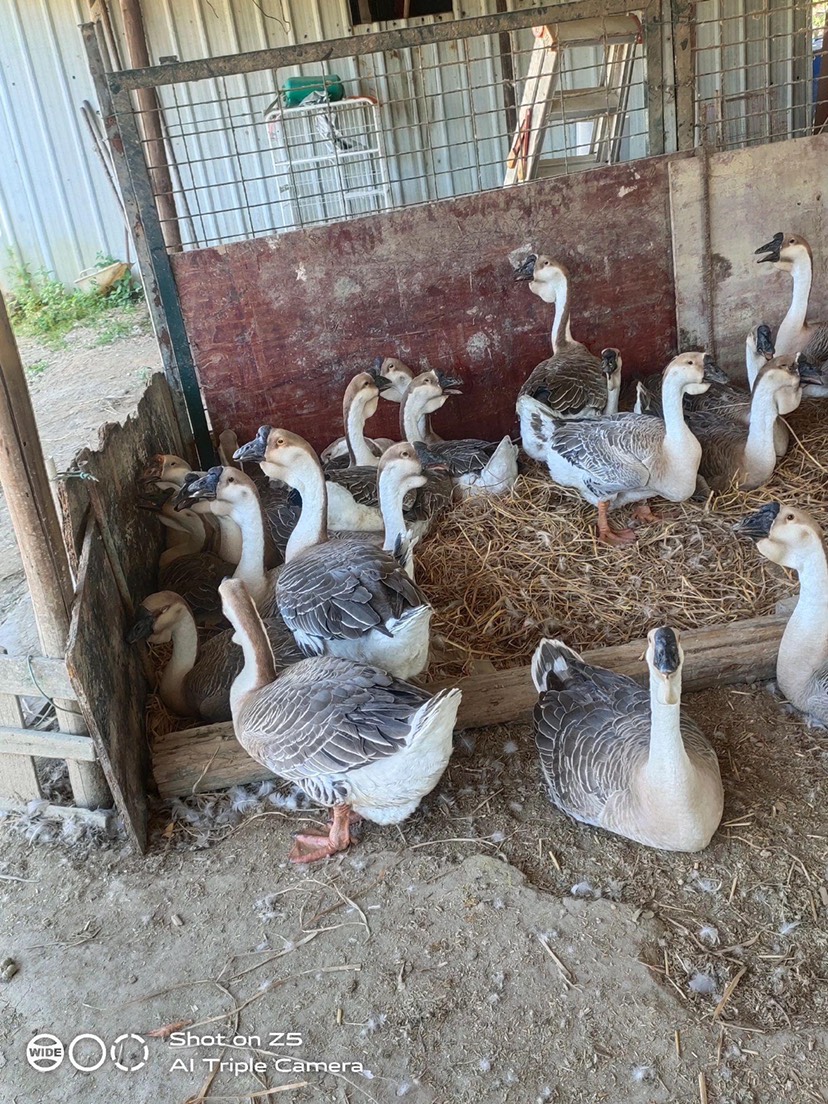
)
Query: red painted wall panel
[{"x": 278, "y": 325}]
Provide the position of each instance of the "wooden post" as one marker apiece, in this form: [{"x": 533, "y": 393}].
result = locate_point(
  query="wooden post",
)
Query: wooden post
[
  {"x": 149, "y": 113},
  {"x": 25, "y": 483}
]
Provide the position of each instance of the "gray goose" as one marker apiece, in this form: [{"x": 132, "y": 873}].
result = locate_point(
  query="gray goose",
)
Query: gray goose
[
  {"x": 793, "y": 254},
  {"x": 398, "y": 376},
  {"x": 573, "y": 382},
  {"x": 359, "y": 404},
  {"x": 344, "y": 597},
  {"x": 197, "y": 678},
  {"x": 623, "y": 758},
  {"x": 351, "y": 735}
]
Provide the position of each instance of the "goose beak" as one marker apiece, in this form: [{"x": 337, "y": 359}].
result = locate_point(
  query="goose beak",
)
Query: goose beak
[
  {"x": 758, "y": 526},
  {"x": 152, "y": 471},
  {"x": 153, "y": 500},
  {"x": 451, "y": 385},
  {"x": 526, "y": 271},
  {"x": 609, "y": 361},
  {"x": 202, "y": 488},
  {"x": 772, "y": 248},
  {"x": 764, "y": 342},
  {"x": 382, "y": 383},
  {"x": 712, "y": 373},
  {"x": 142, "y": 627},
  {"x": 666, "y": 655},
  {"x": 808, "y": 372},
  {"x": 432, "y": 464},
  {"x": 254, "y": 450}
]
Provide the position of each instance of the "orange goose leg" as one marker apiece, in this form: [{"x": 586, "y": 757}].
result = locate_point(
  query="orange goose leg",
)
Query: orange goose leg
[
  {"x": 608, "y": 534},
  {"x": 310, "y": 847}
]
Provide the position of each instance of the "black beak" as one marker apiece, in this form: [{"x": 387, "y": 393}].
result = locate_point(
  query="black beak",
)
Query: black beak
[
  {"x": 151, "y": 472},
  {"x": 452, "y": 385},
  {"x": 254, "y": 450},
  {"x": 142, "y": 627},
  {"x": 713, "y": 374},
  {"x": 666, "y": 656},
  {"x": 808, "y": 372},
  {"x": 772, "y": 248},
  {"x": 201, "y": 489},
  {"x": 153, "y": 499},
  {"x": 527, "y": 270},
  {"x": 764, "y": 342},
  {"x": 381, "y": 382},
  {"x": 431, "y": 461},
  {"x": 609, "y": 361},
  {"x": 757, "y": 526}
]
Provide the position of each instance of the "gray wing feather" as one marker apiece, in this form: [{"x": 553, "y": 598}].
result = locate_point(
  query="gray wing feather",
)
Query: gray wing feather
[
  {"x": 816, "y": 351},
  {"x": 570, "y": 383},
  {"x": 615, "y": 452}
]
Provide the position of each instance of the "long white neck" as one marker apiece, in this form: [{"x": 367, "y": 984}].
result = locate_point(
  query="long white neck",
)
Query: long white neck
[
  {"x": 794, "y": 321},
  {"x": 247, "y": 515},
  {"x": 258, "y": 669},
  {"x": 413, "y": 420},
  {"x": 760, "y": 452},
  {"x": 668, "y": 763},
  {"x": 753, "y": 362},
  {"x": 804, "y": 645},
  {"x": 230, "y": 539},
  {"x": 184, "y": 639},
  {"x": 311, "y": 528},
  {"x": 613, "y": 395},
  {"x": 393, "y": 488},
  {"x": 561, "y": 333},
  {"x": 672, "y": 404},
  {"x": 358, "y": 449}
]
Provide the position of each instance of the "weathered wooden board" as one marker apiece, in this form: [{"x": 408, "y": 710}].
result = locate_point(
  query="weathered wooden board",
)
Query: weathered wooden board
[
  {"x": 210, "y": 758},
  {"x": 122, "y": 452},
  {"x": 109, "y": 684},
  {"x": 753, "y": 194},
  {"x": 279, "y": 324}
]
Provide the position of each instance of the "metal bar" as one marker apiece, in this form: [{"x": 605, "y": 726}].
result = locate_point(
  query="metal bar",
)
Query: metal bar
[
  {"x": 154, "y": 263},
  {"x": 377, "y": 42}
]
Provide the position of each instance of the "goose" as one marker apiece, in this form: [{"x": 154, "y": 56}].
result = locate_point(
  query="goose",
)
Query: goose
[
  {"x": 476, "y": 467},
  {"x": 792, "y": 538},
  {"x": 573, "y": 382},
  {"x": 792, "y": 254},
  {"x": 197, "y": 677},
  {"x": 623, "y": 458},
  {"x": 344, "y": 597},
  {"x": 401, "y": 470},
  {"x": 355, "y": 738},
  {"x": 359, "y": 403},
  {"x": 622, "y": 758},
  {"x": 399, "y": 376},
  {"x": 748, "y": 454}
]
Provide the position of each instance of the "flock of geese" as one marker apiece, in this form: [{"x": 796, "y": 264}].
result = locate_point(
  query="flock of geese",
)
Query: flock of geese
[{"x": 311, "y": 560}]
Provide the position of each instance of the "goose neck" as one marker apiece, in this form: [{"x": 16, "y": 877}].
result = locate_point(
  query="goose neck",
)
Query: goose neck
[
  {"x": 184, "y": 638},
  {"x": 251, "y": 566},
  {"x": 230, "y": 539},
  {"x": 412, "y": 417},
  {"x": 759, "y": 447},
  {"x": 311, "y": 529},
  {"x": 258, "y": 669},
  {"x": 392, "y": 491},
  {"x": 354, "y": 424},
  {"x": 561, "y": 332},
  {"x": 795, "y": 319},
  {"x": 672, "y": 403},
  {"x": 667, "y": 761}
]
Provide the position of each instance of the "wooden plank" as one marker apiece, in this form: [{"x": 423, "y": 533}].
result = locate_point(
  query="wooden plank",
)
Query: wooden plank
[
  {"x": 109, "y": 683},
  {"x": 99, "y": 817},
  {"x": 17, "y": 740},
  {"x": 18, "y": 776},
  {"x": 199, "y": 760},
  {"x": 34, "y": 676}
]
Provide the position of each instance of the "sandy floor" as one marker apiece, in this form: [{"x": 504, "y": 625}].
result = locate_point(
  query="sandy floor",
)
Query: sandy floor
[
  {"x": 491, "y": 952},
  {"x": 75, "y": 390}
]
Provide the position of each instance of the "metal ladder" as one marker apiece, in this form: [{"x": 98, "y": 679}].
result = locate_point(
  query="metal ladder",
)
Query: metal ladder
[{"x": 545, "y": 101}]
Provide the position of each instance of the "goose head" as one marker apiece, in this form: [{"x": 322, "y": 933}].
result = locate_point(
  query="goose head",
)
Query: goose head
[
  {"x": 401, "y": 463},
  {"x": 665, "y": 659},
  {"x": 694, "y": 372},
  {"x": 399, "y": 376},
  {"x": 783, "y": 250},
  {"x": 783, "y": 534},
  {"x": 165, "y": 468},
  {"x": 783, "y": 377},
  {"x": 611, "y": 367},
  {"x": 224, "y": 490},
  {"x": 759, "y": 343},
  {"x": 157, "y": 617},
  {"x": 281, "y": 454},
  {"x": 429, "y": 391},
  {"x": 363, "y": 393},
  {"x": 545, "y": 276}
]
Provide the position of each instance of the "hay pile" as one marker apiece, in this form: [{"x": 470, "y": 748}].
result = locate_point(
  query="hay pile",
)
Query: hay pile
[{"x": 501, "y": 572}]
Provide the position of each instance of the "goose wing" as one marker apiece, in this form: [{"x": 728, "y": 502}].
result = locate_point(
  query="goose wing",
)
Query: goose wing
[
  {"x": 328, "y": 716},
  {"x": 614, "y": 453},
  {"x": 816, "y": 351},
  {"x": 465, "y": 457},
  {"x": 568, "y": 383},
  {"x": 343, "y": 589},
  {"x": 723, "y": 443},
  {"x": 360, "y": 481}
]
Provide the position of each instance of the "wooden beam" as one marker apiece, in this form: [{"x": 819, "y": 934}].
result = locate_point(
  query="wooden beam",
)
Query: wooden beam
[
  {"x": 25, "y": 482},
  {"x": 100, "y": 818},
  {"x": 47, "y": 745},
  {"x": 198, "y": 760},
  {"x": 34, "y": 677}
]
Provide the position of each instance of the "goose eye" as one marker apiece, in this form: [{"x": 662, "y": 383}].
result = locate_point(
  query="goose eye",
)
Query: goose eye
[{"x": 789, "y": 517}]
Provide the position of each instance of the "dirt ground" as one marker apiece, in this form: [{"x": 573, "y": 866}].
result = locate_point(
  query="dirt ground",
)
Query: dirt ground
[
  {"x": 492, "y": 951},
  {"x": 75, "y": 389}
]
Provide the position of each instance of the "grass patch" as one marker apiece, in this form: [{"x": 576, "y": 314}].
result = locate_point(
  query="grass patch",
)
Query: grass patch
[
  {"x": 126, "y": 322},
  {"x": 41, "y": 306},
  {"x": 38, "y": 368}
]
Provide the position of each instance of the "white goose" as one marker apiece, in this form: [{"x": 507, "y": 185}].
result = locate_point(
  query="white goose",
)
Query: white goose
[
  {"x": 621, "y": 758},
  {"x": 359, "y": 404},
  {"x": 344, "y": 597},
  {"x": 355, "y": 738},
  {"x": 792, "y": 254},
  {"x": 792, "y": 538},
  {"x": 398, "y": 377},
  {"x": 626, "y": 458}
]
